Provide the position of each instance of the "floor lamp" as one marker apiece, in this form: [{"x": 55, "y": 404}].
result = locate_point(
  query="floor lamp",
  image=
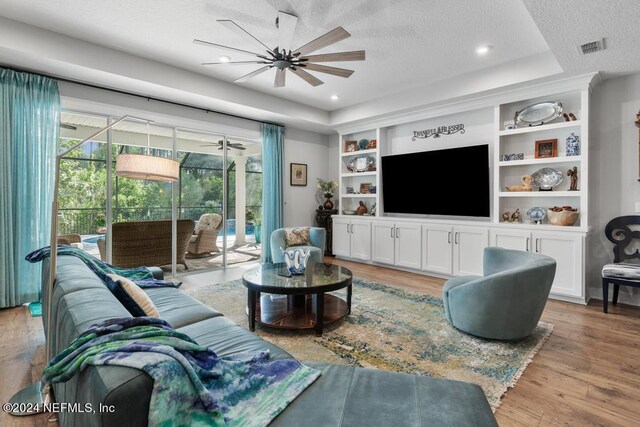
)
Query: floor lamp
[{"x": 33, "y": 398}]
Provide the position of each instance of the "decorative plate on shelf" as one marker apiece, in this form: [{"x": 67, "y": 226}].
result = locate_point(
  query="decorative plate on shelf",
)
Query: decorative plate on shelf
[
  {"x": 536, "y": 214},
  {"x": 363, "y": 144},
  {"x": 538, "y": 114},
  {"x": 547, "y": 178}
]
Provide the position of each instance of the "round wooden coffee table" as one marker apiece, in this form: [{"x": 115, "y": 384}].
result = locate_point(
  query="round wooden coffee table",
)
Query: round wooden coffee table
[{"x": 306, "y": 304}]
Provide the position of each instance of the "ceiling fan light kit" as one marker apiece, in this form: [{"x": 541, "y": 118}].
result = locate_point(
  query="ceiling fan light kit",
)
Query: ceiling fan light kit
[{"x": 282, "y": 58}]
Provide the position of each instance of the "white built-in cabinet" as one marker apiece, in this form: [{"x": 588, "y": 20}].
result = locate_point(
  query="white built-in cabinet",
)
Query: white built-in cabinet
[
  {"x": 396, "y": 244},
  {"x": 457, "y": 250},
  {"x": 565, "y": 248},
  {"x": 468, "y": 247},
  {"x": 437, "y": 248},
  {"x": 352, "y": 238},
  {"x": 437, "y": 245}
]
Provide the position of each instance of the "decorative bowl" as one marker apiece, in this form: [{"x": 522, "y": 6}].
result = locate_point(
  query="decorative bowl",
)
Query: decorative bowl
[
  {"x": 348, "y": 212},
  {"x": 536, "y": 214},
  {"x": 547, "y": 178},
  {"x": 565, "y": 218},
  {"x": 296, "y": 260}
]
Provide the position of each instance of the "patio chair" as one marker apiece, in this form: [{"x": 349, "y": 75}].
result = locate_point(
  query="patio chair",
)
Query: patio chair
[
  {"x": 71, "y": 240},
  {"x": 203, "y": 241},
  {"x": 147, "y": 243}
]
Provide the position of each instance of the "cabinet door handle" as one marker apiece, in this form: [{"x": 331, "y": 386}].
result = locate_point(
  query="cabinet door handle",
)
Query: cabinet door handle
[
  {"x": 397, "y": 233},
  {"x": 392, "y": 233},
  {"x": 527, "y": 247},
  {"x": 456, "y": 237},
  {"x": 537, "y": 249},
  {"x": 449, "y": 237},
  {"x": 351, "y": 228},
  {"x": 348, "y": 228}
]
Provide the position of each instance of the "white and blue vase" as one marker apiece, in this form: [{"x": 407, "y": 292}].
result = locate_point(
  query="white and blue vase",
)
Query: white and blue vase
[
  {"x": 296, "y": 260},
  {"x": 573, "y": 145}
]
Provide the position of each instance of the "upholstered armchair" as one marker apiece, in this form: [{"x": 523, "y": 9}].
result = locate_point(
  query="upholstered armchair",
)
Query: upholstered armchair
[
  {"x": 203, "y": 241},
  {"x": 317, "y": 236},
  {"x": 507, "y": 301}
]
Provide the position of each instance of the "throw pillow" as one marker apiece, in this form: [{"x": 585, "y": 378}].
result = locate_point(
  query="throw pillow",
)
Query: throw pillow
[
  {"x": 298, "y": 236},
  {"x": 132, "y": 297}
]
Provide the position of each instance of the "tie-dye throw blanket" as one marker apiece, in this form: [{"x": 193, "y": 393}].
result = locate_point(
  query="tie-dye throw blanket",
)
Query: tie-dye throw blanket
[
  {"x": 142, "y": 276},
  {"x": 191, "y": 384}
]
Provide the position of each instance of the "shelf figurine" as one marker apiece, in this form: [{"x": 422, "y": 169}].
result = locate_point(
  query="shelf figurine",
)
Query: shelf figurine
[
  {"x": 505, "y": 216},
  {"x": 515, "y": 217},
  {"x": 362, "y": 209},
  {"x": 573, "y": 174}
]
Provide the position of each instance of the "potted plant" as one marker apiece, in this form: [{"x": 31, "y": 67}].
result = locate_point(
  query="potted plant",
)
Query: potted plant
[{"x": 327, "y": 189}]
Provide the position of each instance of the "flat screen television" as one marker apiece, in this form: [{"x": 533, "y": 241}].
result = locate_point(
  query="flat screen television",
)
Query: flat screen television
[{"x": 452, "y": 182}]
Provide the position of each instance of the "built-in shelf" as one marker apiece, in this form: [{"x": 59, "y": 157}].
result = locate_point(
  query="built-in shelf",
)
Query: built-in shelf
[
  {"x": 540, "y": 193},
  {"x": 551, "y": 126},
  {"x": 353, "y": 196},
  {"x": 352, "y": 174},
  {"x": 359, "y": 152},
  {"x": 547, "y": 160}
]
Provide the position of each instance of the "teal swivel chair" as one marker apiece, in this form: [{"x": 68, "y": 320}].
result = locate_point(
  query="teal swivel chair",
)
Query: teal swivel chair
[
  {"x": 507, "y": 301},
  {"x": 317, "y": 236}
]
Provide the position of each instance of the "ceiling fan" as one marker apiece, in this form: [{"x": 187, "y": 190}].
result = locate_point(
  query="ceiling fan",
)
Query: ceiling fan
[
  {"x": 230, "y": 145},
  {"x": 67, "y": 126},
  {"x": 282, "y": 58}
]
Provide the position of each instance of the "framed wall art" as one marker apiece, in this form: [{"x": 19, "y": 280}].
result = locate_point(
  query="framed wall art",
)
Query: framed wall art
[
  {"x": 350, "y": 146},
  {"x": 298, "y": 177},
  {"x": 546, "y": 148}
]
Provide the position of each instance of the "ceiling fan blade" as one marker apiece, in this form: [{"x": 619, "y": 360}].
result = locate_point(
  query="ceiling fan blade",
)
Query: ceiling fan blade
[
  {"x": 286, "y": 28},
  {"x": 356, "y": 55},
  {"x": 247, "y": 36},
  {"x": 204, "y": 43},
  {"x": 280, "y": 78},
  {"x": 325, "y": 40},
  {"x": 340, "y": 72},
  {"x": 234, "y": 63},
  {"x": 252, "y": 74},
  {"x": 238, "y": 147},
  {"x": 67, "y": 126},
  {"x": 312, "y": 80}
]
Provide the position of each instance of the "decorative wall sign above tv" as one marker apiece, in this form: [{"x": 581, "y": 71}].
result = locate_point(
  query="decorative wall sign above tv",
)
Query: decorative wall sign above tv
[{"x": 436, "y": 132}]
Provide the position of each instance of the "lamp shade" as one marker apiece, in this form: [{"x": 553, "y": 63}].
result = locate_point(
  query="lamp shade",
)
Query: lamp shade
[{"x": 151, "y": 168}]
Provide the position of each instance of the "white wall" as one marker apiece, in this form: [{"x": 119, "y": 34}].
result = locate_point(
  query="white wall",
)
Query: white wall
[
  {"x": 312, "y": 149},
  {"x": 613, "y": 162}
]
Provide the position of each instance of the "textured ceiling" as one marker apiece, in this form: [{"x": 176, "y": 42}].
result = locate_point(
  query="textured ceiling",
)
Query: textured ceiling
[
  {"x": 569, "y": 23},
  {"x": 409, "y": 44}
]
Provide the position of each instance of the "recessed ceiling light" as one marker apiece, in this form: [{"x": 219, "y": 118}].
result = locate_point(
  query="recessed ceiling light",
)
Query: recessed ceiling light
[
  {"x": 224, "y": 58},
  {"x": 483, "y": 50},
  {"x": 334, "y": 97}
]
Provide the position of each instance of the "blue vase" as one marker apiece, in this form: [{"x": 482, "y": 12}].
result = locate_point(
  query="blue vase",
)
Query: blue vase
[{"x": 573, "y": 145}]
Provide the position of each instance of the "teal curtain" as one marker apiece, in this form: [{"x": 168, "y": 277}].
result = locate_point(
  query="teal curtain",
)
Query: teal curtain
[
  {"x": 272, "y": 184},
  {"x": 29, "y": 125}
]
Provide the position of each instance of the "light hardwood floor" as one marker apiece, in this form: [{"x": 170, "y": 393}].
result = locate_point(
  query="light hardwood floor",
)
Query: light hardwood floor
[{"x": 587, "y": 374}]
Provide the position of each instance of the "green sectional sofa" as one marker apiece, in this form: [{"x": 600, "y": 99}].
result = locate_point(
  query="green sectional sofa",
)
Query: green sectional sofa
[{"x": 342, "y": 396}]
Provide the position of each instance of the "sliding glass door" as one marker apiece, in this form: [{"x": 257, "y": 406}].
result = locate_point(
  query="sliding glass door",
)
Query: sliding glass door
[{"x": 208, "y": 219}]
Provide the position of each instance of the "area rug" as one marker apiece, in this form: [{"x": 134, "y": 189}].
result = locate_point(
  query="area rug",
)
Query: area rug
[{"x": 395, "y": 330}]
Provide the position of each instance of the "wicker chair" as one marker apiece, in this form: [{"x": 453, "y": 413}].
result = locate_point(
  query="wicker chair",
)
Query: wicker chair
[
  {"x": 147, "y": 243},
  {"x": 203, "y": 241},
  {"x": 71, "y": 240}
]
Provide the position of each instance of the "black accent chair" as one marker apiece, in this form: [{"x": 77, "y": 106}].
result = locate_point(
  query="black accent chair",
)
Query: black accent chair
[{"x": 621, "y": 272}]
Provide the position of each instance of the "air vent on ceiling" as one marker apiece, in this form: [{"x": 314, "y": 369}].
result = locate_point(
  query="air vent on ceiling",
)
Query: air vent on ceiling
[{"x": 591, "y": 47}]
